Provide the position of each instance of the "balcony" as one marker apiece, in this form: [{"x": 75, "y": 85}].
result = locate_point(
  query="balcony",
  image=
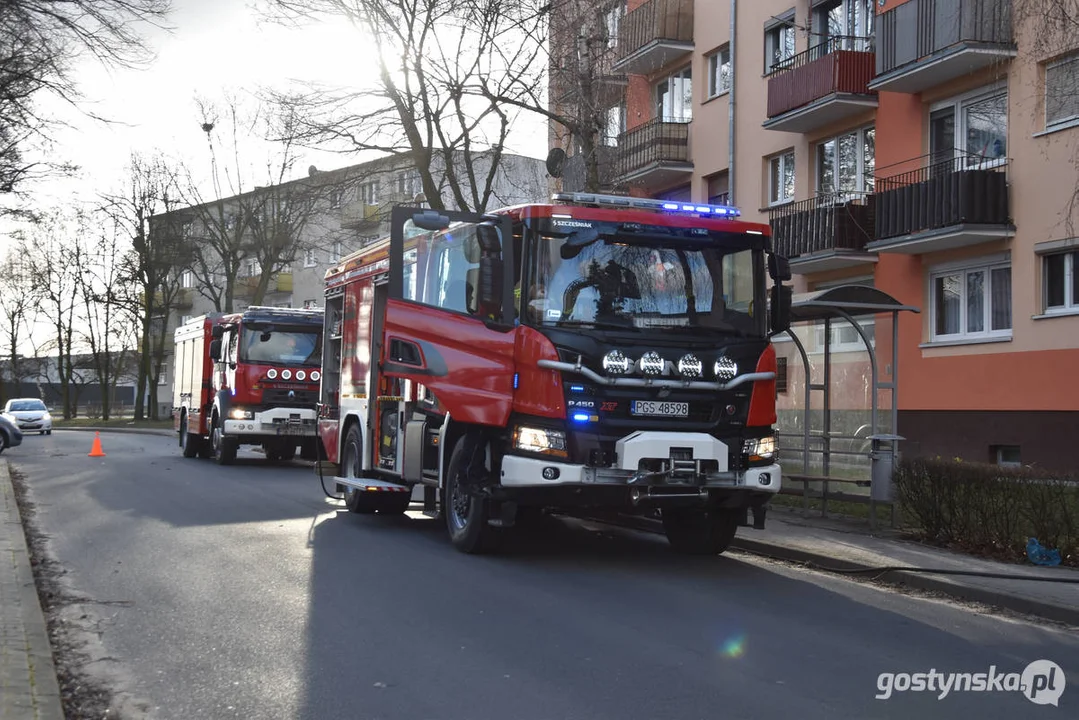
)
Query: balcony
[
  {"x": 602, "y": 82},
  {"x": 924, "y": 43},
  {"x": 245, "y": 287},
  {"x": 825, "y": 84},
  {"x": 655, "y": 154},
  {"x": 359, "y": 215},
  {"x": 828, "y": 232},
  {"x": 655, "y": 35},
  {"x": 942, "y": 205}
]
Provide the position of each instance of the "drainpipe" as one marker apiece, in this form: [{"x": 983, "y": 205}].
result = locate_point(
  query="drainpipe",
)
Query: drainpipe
[{"x": 730, "y": 108}]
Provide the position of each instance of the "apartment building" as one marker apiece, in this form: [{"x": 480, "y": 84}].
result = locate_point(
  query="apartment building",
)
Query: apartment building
[
  {"x": 925, "y": 147},
  {"x": 344, "y": 209}
]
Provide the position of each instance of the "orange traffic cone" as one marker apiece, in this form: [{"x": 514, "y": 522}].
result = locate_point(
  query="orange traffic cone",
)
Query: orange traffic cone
[{"x": 96, "y": 450}]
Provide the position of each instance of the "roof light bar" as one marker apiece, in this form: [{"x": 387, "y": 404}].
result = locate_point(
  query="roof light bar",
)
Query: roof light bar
[{"x": 622, "y": 201}]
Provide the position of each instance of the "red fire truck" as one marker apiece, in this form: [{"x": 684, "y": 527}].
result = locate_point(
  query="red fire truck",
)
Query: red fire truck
[
  {"x": 248, "y": 378},
  {"x": 598, "y": 355}
]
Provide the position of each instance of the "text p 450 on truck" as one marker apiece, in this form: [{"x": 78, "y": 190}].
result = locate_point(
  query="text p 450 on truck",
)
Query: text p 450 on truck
[
  {"x": 248, "y": 378},
  {"x": 596, "y": 355}
]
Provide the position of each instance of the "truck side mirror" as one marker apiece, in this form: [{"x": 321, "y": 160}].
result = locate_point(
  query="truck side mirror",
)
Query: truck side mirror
[
  {"x": 780, "y": 309},
  {"x": 215, "y": 350},
  {"x": 430, "y": 220},
  {"x": 217, "y": 331},
  {"x": 491, "y": 270},
  {"x": 779, "y": 268}
]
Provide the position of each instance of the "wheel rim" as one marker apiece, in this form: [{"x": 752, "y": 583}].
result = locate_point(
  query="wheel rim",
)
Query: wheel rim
[
  {"x": 460, "y": 503},
  {"x": 217, "y": 437},
  {"x": 351, "y": 460}
]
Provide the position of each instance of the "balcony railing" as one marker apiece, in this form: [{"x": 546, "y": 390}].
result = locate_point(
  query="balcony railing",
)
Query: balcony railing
[
  {"x": 824, "y": 224},
  {"x": 964, "y": 190},
  {"x": 838, "y": 68},
  {"x": 654, "y": 34},
  {"x": 655, "y": 146},
  {"x": 923, "y": 43}
]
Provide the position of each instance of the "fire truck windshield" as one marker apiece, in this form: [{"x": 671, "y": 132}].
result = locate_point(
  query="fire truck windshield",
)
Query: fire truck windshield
[
  {"x": 273, "y": 346},
  {"x": 635, "y": 284}
]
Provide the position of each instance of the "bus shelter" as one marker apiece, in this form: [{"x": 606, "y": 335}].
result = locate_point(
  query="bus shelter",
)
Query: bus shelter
[{"x": 846, "y": 304}]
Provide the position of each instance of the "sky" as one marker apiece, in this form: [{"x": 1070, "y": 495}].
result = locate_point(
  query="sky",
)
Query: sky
[{"x": 215, "y": 46}]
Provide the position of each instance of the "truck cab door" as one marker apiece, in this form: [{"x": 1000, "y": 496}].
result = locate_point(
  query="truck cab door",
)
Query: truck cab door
[{"x": 449, "y": 313}]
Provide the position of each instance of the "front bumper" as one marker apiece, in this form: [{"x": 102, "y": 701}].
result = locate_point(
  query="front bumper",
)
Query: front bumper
[
  {"x": 277, "y": 422},
  {"x": 646, "y": 448}
]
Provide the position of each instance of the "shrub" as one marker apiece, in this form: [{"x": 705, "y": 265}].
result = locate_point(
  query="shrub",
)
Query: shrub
[{"x": 989, "y": 509}]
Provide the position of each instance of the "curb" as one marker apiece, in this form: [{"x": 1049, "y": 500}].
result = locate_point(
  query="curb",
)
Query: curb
[
  {"x": 919, "y": 581},
  {"x": 136, "y": 431},
  {"x": 43, "y": 686}
]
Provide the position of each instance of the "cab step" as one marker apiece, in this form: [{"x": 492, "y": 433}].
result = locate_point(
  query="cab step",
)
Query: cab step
[{"x": 371, "y": 484}]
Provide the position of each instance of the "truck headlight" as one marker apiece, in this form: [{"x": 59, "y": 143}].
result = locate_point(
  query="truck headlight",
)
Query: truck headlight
[
  {"x": 760, "y": 448},
  {"x": 540, "y": 440},
  {"x": 241, "y": 414}
]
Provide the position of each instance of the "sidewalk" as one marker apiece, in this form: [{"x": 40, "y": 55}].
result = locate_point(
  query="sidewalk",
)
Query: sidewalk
[
  {"x": 28, "y": 686},
  {"x": 851, "y": 546}
]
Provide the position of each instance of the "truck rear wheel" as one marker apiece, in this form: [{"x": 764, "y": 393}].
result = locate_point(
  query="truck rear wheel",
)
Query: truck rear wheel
[
  {"x": 189, "y": 443},
  {"x": 696, "y": 531},
  {"x": 466, "y": 513}
]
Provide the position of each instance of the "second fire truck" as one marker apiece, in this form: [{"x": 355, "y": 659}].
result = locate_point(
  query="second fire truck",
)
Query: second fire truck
[
  {"x": 595, "y": 355},
  {"x": 248, "y": 378}
]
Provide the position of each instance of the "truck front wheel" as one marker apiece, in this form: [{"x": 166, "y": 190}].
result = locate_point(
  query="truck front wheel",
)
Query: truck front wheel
[
  {"x": 695, "y": 531},
  {"x": 189, "y": 443},
  {"x": 224, "y": 447},
  {"x": 357, "y": 501},
  {"x": 466, "y": 512}
]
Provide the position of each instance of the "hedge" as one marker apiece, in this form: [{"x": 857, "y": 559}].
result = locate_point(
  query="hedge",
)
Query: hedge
[{"x": 988, "y": 509}]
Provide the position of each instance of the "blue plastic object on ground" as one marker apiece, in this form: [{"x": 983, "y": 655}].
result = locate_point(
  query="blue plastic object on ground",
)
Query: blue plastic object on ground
[{"x": 1040, "y": 555}]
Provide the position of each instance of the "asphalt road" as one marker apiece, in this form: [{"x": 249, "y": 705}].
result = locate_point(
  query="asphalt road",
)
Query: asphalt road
[{"x": 244, "y": 592}]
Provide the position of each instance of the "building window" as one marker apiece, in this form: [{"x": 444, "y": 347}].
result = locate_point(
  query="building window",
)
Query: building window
[
  {"x": 335, "y": 199},
  {"x": 845, "y": 163},
  {"x": 719, "y": 72},
  {"x": 971, "y": 302},
  {"x": 368, "y": 192},
  {"x": 612, "y": 20},
  {"x": 844, "y": 25},
  {"x": 1062, "y": 91},
  {"x": 1006, "y": 455},
  {"x": 308, "y": 304},
  {"x": 719, "y": 190},
  {"x": 187, "y": 279},
  {"x": 614, "y": 124},
  {"x": 674, "y": 97},
  {"x": 185, "y": 319},
  {"x": 309, "y": 259},
  {"x": 779, "y": 44},
  {"x": 253, "y": 268},
  {"x": 970, "y": 131},
  {"x": 781, "y": 178},
  {"x": 335, "y": 253},
  {"x": 1061, "y": 281}
]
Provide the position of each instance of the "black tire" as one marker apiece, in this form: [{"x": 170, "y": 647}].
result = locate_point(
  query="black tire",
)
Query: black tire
[
  {"x": 48, "y": 432},
  {"x": 357, "y": 501},
  {"x": 189, "y": 444},
  {"x": 694, "y": 531},
  {"x": 393, "y": 503},
  {"x": 3, "y": 441},
  {"x": 224, "y": 447},
  {"x": 466, "y": 514}
]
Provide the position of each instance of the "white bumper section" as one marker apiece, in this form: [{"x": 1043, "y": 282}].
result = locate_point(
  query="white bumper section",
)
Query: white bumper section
[
  {"x": 290, "y": 421},
  {"x": 630, "y": 450}
]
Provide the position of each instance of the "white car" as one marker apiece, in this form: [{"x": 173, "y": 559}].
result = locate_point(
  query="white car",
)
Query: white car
[{"x": 29, "y": 415}]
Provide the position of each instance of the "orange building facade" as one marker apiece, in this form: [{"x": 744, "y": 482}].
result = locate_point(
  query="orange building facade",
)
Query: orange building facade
[{"x": 925, "y": 147}]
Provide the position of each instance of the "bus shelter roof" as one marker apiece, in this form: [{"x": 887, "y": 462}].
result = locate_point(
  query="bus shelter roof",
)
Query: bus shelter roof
[{"x": 852, "y": 300}]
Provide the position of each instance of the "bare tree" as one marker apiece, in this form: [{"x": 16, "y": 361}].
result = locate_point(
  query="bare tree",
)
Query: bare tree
[
  {"x": 423, "y": 101},
  {"x": 18, "y": 310},
  {"x": 39, "y": 42},
  {"x": 257, "y": 216},
  {"x": 108, "y": 308},
  {"x": 56, "y": 259},
  {"x": 158, "y": 255}
]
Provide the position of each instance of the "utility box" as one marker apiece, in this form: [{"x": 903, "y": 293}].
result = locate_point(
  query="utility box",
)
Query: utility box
[{"x": 883, "y": 457}]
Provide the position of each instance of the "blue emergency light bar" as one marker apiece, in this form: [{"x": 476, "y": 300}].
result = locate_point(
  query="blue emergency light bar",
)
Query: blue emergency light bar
[{"x": 623, "y": 201}]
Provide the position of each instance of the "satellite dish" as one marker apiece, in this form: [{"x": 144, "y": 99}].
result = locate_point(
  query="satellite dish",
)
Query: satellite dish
[
  {"x": 420, "y": 199},
  {"x": 556, "y": 160}
]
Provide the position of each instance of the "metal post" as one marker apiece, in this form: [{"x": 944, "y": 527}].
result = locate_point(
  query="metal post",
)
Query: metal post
[
  {"x": 875, "y": 375},
  {"x": 805, "y": 418},
  {"x": 826, "y": 434}
]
